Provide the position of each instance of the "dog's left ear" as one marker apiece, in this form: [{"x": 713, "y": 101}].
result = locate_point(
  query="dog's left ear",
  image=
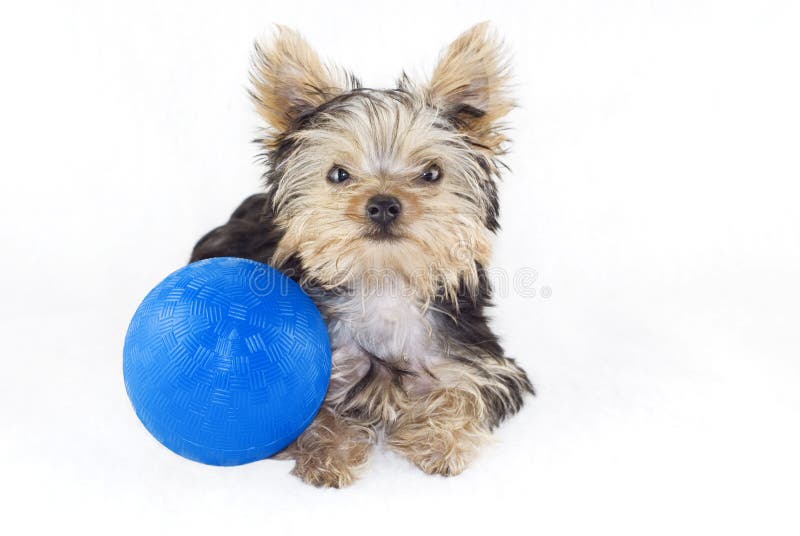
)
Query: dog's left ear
[{"x": 470, "y": 85}]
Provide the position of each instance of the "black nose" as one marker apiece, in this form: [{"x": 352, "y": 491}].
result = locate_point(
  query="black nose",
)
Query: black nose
[{"x": 383, "y": 209}]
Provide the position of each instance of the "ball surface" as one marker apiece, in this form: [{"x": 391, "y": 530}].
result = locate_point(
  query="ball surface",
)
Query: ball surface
[{"x": 226, "y": 361}]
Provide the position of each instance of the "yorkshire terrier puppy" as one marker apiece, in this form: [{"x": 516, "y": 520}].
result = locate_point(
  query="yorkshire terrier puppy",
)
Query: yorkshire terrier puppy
[{"x": 381, "y": 204}]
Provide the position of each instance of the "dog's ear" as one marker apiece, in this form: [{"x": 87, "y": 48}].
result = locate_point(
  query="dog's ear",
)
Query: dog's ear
[
  {"x": 470, "y": 85},
  {"x": 289, "y": 79}
]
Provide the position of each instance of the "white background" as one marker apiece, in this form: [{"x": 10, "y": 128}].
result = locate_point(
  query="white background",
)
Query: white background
[{"x": 654, "y": 190}]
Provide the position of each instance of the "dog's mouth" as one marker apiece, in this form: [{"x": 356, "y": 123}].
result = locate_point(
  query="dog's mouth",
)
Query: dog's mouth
[{"x": 382, "y": 234}]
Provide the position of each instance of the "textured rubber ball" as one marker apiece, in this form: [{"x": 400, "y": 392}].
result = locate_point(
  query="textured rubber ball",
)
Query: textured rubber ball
[{"x": 226, "y": 361}]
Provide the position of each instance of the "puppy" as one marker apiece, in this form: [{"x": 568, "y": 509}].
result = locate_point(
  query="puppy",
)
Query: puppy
[{"x": 381, "y": 204}]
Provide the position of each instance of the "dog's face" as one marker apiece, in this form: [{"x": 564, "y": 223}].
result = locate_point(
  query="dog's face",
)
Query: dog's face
[{"x": 367, "y": 182}]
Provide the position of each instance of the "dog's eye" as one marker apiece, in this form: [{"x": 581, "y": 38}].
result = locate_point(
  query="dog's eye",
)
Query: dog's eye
[
  {"x": 338, "y": 174},
  {"x": 432, "y": 174}
]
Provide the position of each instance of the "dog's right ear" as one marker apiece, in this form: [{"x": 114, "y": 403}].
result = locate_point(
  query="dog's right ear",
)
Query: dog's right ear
[{"x": 289, "y": 79}]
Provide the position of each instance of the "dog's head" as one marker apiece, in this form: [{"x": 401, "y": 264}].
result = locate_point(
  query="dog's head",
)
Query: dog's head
[{"x": 399, "y": 181}]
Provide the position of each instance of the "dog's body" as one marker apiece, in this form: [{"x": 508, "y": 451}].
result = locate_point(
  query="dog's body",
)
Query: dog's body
[{"x": 380, "y": 203}]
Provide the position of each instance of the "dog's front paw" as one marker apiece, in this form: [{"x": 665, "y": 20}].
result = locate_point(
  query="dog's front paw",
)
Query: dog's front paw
[
  {"x": 435, "y": 462},
  {"x": 324, "y": 472},
  {"x": 442, "y": 433},
  {"x": 330, "y": 451}
]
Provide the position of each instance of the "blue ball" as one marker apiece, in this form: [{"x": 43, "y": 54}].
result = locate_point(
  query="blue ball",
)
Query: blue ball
[{"x": 226, "y": 361}]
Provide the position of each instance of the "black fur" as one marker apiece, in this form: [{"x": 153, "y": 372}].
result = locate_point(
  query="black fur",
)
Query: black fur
[
  {"x": 249, "y": 233},
  {"x": 473, "y": 343}
]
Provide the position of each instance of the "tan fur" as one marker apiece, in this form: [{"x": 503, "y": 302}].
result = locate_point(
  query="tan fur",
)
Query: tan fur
[
  {"x": 438, "y": 422},
  {"x": 330, "y": 452},
  {"x": 383, "y": 155},
  {"x": 287, "y": 75},
  {"x": 441, "y": 432},
  {"x": 473, "y": 71},
  {"x": 438, "y": 425}
]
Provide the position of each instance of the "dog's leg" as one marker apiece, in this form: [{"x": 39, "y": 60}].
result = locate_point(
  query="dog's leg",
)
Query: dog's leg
[
  {"x": 442, "y": 431},
  {"x": 450, "y": 412},
  {"x": 331, "y": 450}
]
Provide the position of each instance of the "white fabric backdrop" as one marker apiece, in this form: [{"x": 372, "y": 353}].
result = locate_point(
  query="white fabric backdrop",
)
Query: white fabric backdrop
[{"x": 654, "y": 192}]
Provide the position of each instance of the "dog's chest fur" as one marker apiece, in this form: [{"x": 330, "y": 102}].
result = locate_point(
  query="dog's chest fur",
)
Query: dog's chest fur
[{"x": 388, "y": 324}]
